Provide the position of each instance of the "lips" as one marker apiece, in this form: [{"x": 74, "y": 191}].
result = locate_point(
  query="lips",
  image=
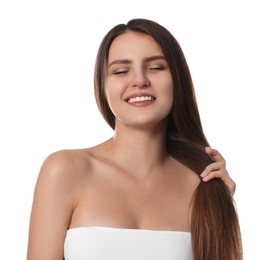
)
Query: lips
[{"x": 143, "y": 97}]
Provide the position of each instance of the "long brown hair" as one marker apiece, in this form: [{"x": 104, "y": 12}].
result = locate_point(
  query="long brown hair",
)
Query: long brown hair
[{"x": 214, "y": 222}]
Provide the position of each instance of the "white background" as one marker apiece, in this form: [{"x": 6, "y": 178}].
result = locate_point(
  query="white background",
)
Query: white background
[{"x": 47, "y": 55}]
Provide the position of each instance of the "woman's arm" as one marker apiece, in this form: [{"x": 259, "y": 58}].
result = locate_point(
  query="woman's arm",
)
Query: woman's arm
[
  {"x": 218, "y": 170},
  {"x": 53, "y": 203}
]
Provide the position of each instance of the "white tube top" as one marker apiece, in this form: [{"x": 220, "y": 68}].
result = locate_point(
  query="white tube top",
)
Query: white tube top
[{"x": 106, "y": 243}]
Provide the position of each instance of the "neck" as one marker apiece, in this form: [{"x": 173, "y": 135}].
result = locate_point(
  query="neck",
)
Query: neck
[{"x": 141, "y": 150}]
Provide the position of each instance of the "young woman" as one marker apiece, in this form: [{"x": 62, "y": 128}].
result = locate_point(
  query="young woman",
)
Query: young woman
[{"x": 155, "y": 190}]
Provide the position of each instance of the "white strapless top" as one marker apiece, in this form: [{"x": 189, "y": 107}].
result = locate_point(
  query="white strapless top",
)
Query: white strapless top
[{"x": 106, "y": 243}]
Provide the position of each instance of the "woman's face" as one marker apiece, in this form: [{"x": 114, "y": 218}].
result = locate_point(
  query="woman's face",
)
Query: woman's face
[{"x": 138, "y": 83}]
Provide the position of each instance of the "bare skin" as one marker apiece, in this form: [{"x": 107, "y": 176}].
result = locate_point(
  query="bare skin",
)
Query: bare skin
[
  {"x": 84, "y": 188},
  {"x": 129, "y": 181}
]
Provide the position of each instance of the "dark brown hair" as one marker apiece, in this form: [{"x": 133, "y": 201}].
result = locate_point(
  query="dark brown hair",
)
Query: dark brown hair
[{"x": 214, "y": 223}]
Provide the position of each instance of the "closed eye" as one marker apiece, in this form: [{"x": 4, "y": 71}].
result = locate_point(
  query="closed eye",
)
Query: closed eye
[
  {"x": 156, "y": 68},
  {"x": 120, "y": 72}
]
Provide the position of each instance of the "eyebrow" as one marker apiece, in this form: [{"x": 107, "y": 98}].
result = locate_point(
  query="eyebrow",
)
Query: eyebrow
[{"x": 148, "y": 59}]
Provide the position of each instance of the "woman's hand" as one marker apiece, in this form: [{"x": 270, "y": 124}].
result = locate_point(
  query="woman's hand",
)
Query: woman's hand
[{"x": 218, "y": 170}]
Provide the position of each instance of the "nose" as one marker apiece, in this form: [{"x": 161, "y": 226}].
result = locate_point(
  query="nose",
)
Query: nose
[{"x": 140, "y": 79}]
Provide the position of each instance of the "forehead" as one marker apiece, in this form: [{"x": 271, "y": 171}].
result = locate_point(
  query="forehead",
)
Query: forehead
[{"x": 131, "y": 45}]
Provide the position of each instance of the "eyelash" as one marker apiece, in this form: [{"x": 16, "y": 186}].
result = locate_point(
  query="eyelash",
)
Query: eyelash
[
  {"x": 155, "y": 68},
  {"x": 120, "y": 72},
  {"x": 148, "y": 68}
]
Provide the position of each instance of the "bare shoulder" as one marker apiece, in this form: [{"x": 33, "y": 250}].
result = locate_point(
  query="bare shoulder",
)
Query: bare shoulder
[
  {"x": 63, "y": 175},
  {"x": 187, "y": 182},
  {"x": 68, "y": 169},
  {"x": 66, "y": 165},
  {"x": 57, "y": 192},
  {"x": 186, "y": 176}
]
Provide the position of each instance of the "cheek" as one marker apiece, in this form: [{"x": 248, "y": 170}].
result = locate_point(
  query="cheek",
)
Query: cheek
[
  {"x": 113, "y": 86},
  {"x": 109, "y": 98},
  {"x": 109, "y": 89},
  {"x": 113, "y": 93},
  {"x": 107, "y": 93},
  {"x": 168, "y": 91}
]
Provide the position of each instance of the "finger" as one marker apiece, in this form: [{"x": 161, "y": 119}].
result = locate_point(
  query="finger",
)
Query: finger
[
  {"x": 217, "y": 166},
  {"x": 216, "y": 174},
  {"x": 208, "y": 178},
  {"x": 214, "y": 153}
]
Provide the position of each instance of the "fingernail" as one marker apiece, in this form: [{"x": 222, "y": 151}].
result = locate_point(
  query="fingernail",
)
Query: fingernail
[{"x": 205, "y": 179}]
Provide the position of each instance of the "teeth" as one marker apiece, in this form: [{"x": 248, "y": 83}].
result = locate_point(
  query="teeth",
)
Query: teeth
[{"x": 142, "y": 98}]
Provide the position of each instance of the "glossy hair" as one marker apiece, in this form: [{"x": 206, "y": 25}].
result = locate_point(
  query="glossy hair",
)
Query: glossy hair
[{"x": 214, "y": 222}]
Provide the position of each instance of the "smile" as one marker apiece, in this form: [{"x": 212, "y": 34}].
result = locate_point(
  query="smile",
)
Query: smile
[{"x": 140, "y": 99}]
